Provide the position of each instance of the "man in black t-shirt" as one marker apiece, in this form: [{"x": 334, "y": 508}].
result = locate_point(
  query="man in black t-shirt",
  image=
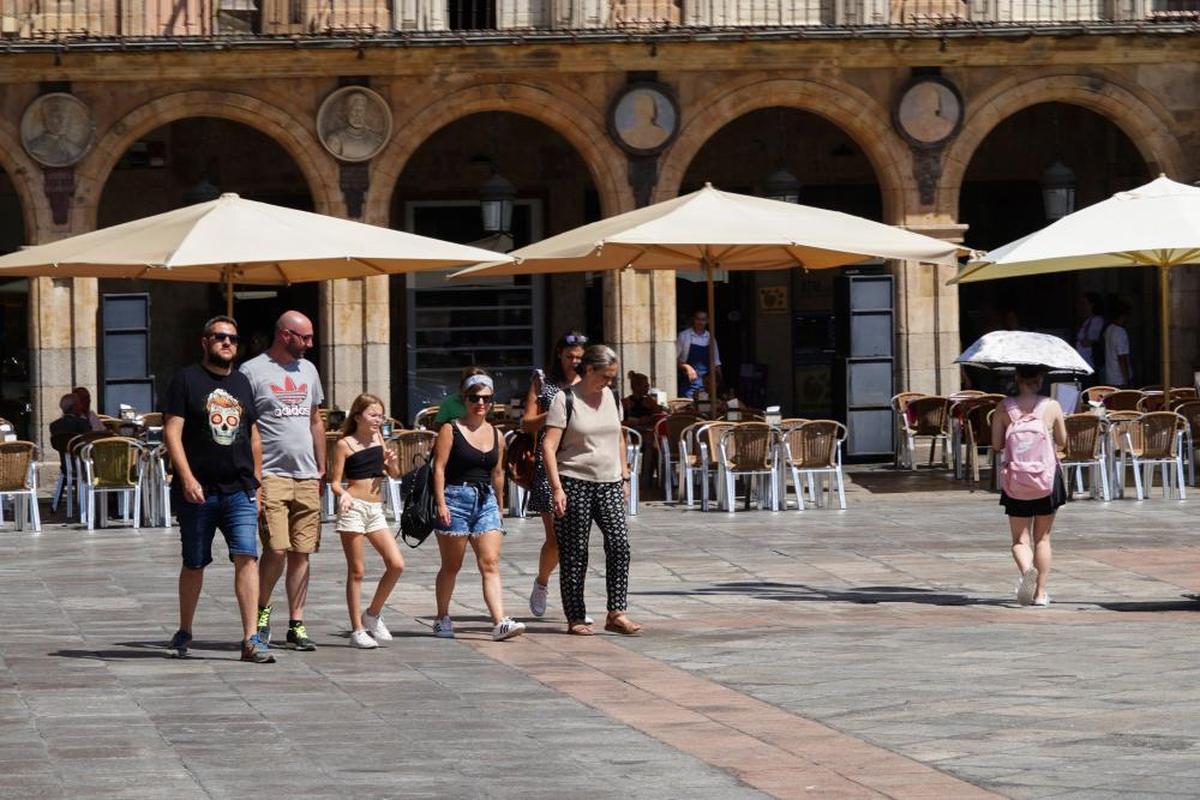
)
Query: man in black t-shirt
[{"x": 212, "y": 438}]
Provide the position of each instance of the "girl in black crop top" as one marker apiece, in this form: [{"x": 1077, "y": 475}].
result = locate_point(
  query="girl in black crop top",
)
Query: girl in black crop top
[
  {"x": 361, "y": 458},
  {"x": 468, "y": 484}
]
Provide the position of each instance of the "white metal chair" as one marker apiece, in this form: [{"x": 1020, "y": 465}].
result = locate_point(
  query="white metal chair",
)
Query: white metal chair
[
  {"x": 1190, "y": 410},
  {"x": 1124, "y": 436},
  {"x": 1161, "y": 445},
  {"x": 1085, "y": 450},
  {"x": 633, "y": 459},
  {"x": 424, "y": 417},
  {"x": 18, "y": 480},
  {"x": 903, "y": 456},
  {"x": 748, "y": 450},
  {"x": 698, "y": 449},
  {"x": 813, "y": 452},
  {"x": 64, "y": 488},
  {"x": 156, "y": 491},
  {"x": 518, "y": 496},
  {"x": 113, "y": 465},
  {"x": 412, "y": 449},
  {"x": 668, "y": 432},
  {"x": 926, "y": 418}
]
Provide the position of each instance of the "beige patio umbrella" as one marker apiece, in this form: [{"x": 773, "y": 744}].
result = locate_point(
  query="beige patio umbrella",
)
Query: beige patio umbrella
[
  {"x": 709, "y": 230},
  {"x": 1156, "y": 225},
  {"x": 232, "y": 240}
]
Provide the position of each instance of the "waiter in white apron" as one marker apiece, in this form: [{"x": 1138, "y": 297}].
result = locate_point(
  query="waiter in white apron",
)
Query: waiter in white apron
[{"x": 692, "y": 351}]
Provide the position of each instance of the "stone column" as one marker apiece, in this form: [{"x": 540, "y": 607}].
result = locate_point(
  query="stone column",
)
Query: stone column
[
  {"x": 62, "y": 344},
  {"x": 639, "y": 323},
  {"x": 927, "y": 336}
]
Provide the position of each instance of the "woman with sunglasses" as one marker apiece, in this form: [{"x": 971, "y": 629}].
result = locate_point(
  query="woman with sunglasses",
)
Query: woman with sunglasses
[
  {"x": 560, "y": 374},
  {"x": 468, "y": 479}
]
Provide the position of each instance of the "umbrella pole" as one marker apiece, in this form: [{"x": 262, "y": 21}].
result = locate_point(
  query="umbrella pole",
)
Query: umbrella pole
[
  {"x": 1164, "y": 316},
  {"x": 712, "y": 330},
  {"x": 229, "y": 294}
]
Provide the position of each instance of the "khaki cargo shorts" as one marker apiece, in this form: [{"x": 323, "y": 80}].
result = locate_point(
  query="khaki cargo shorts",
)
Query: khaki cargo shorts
[{"x": 291, "y": 514}]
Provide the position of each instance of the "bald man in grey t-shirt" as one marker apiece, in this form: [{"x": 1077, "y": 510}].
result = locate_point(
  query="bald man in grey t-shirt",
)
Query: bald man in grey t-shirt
[{"x": 287, "y": 393}]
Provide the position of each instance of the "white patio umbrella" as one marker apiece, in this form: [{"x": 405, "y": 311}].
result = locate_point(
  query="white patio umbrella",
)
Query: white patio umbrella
[
  {"x": 231, "y": 239},
  {"x": 1000, "y": 349},
  {"x": 709, "y": 230},
  {"x": 1155, "y": 225}
]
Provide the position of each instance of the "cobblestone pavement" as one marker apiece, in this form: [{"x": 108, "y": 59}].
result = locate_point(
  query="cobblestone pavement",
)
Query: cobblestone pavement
[{"x": 867, "y": 653}]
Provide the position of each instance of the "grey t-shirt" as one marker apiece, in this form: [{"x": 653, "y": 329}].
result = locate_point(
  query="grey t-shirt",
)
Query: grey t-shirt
[{"x": 285, "y": 395}]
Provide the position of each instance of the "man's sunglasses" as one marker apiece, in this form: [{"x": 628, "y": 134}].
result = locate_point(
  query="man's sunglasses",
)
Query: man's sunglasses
[
  {"x": 481, "y": 398},
  {"x": 232, "y": 338},
  {"x": 304, "y": 337}
]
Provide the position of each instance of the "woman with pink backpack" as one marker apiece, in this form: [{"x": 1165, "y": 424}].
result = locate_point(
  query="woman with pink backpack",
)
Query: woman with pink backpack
[{"x": 1028, "y": 431}]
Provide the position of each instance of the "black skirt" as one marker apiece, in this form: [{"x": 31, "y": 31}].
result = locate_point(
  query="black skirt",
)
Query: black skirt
[{"x": 1042, "y": 506}]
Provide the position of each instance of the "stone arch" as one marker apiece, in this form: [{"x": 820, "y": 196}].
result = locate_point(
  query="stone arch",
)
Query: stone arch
[
  {"x": 851, "y": 109},
  {"x": 1138, "y": 115},
  {"x": 24, "y": 173},
  {"x": 581, "y": 125},
  {"x": 292, "y": 134}
]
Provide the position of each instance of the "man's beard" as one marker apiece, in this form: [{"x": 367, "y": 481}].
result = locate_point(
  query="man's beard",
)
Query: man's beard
[{"x": 218, "y": 359}]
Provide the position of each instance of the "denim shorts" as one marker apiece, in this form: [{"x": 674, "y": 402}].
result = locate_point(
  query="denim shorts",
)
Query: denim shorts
[
  {"x": 473, "y": 510},
  {"x": 236, "y": 514}
]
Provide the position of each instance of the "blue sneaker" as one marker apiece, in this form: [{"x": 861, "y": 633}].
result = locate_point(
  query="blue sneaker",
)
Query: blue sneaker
[
  {"x": 178, "y": 648},
  {"x": 255, "y": 650}
]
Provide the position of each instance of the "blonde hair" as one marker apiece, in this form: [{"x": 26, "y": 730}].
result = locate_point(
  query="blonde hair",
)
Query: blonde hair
[{"x": 360, "y": 404}]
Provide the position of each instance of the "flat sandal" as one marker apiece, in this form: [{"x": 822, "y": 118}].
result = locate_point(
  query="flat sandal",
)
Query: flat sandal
[{"x": 622, "y": 624}]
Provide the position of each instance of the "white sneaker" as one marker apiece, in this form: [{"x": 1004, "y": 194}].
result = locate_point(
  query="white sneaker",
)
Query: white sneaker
[
  {"x": 444, "y": 628},
  {"x": 1043, "y": 601},
  {"x": 362, "y": 640},
  {"x": 537, "y": 599},
  {"x": 375, "y": 627},
  {"x": 1027, "y": 586},
  {"x": 507, "y": 628}
]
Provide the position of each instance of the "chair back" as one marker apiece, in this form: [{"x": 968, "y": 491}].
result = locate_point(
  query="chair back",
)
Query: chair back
[
  {"x": 424, "y": 417},
  {"x": 963, "y": 394},
  {"x": 748, "y": 446},
  {"x": 1183, "y": 394},
  {"x": 1097, "y": 393},
  {"x": 1160, "y": 433},
  {"x": 681, "y": 405},
  {"x": 710, "y": 434},
  {"x": 1154, "y": 387},
  {"x": 1122, "y": 424},
  {"x": 152, "y": 419},
  {"x": 747, "y": 414},
  {"x": 412, "y": 448},
  {"x": 1123, "y": 400},
  {"x": 814, "y": 444},
  {"x": 978, "y": 421},
  {"x": 791, "y": 422},
  {"x": 16, "y": 458},
  {"x": 1084, "y": 437},
  {"x": 1152, "y": 402},
  {"x": 77, "y": 442},
  {"x": 115, "y": 461},
  {"x": 1190, "y": 410},
  {"x": 672, "y": 427},
  {"x": 900, "y": 402},
  {"x": 927, "y": 415}
]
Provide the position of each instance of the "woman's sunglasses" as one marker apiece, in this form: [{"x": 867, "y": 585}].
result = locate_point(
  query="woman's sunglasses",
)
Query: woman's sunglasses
[
  {"x": 480, "y": 398},
  {"x": 573, "y": 339}
]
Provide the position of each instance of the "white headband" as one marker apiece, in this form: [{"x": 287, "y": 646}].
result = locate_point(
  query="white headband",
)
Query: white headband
[{"x": 479, "y": 380}]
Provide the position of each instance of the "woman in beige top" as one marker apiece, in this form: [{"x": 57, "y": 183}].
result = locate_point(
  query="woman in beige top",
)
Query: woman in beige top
[{"x": 584, "y": 454}]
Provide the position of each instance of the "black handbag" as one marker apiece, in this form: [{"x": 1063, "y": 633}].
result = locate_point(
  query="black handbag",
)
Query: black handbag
[{"x": 419, "y": 516}]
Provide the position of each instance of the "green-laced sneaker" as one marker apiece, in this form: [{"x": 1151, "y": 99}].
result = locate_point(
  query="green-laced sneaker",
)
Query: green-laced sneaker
[
  {"x": 297, "y": 639},
  {"x": 264, "y": 625}
]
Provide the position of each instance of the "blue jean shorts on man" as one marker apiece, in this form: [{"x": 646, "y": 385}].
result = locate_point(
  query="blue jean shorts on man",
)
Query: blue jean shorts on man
[
  {"x": 473, "y": 510},
  {"x": 235, "y": 513}
]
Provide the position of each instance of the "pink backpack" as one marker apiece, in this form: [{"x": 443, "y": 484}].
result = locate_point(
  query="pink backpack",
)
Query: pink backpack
[{"x": 1029, "y": 461}]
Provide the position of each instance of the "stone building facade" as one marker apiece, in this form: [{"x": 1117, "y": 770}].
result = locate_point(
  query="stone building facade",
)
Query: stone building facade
[{"x": 178, "y": 107}]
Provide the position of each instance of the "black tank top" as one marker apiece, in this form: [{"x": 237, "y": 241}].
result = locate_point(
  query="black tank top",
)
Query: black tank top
[
  {"x": 365, "y": 463},
  {"x": 467, "y": 464}
]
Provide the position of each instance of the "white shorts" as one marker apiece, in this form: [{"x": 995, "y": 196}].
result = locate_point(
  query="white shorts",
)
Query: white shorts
[{"x": 362, "y": 517}]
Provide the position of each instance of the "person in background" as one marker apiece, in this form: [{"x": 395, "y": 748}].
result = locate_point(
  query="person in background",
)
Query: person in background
[
  {"x": 361, "y": 458},
  {"x": 84, "y": 408},
  {"x": 560, "y": 374},
  {"x": 468, "y": 481},
  {"x": 692, "y": 351},
  {"x": 1118, "y": 366},
  {"x": 451, "y": 406},
  {"x": 642, "y": 413},
  {"x": 1090, "y": 329},
  {"x": 584, "y": 451},
  {"x": 70, "y": 421}
]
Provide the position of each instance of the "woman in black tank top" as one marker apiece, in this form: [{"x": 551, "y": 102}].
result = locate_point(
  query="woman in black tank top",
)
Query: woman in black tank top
[
  {"x": 361, "y": 458},
  {"x": 468, "y": 483}
]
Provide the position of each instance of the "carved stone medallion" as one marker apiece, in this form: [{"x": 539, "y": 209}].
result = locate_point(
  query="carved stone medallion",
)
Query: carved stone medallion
[
  {"x": 354, "y": 123},
  {"x": 57, "y": 129}
]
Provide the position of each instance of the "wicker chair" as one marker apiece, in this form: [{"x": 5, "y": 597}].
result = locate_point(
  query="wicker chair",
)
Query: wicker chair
[
  {"x": 18, "y": 480},
  {"x": 977, "y": 430},
  {"x": 813, "y": 450},
  {"x": 1124, "y": 435},
  {"x": 1182, "y": 394},
  {"x": 633, "y": 459},
  {"x": 113, "y": 465},
  {"x": 1085, "y": 448},
  {"x": 1152, "y": 402},
  {"x": 927, "y": 418},
  {"x": 681, "y": 405},
  {"x": 156, "y": 494},
  {"x": 424, "y": 417},
  {"x": 747, "y": 450},
  {"x": 1096, "y": 394},
  {"x": 75, "y": 468},
  {"x": 1123, "y": 400},
  {"x": 412, "y": 448},
  {"x": 699, "y": 446},
  {"x": 65, "y": 486},
  {"x": 1161, "y": 445},
  {"x": 1190, "y": 410},
  {"x": 667, "y": 431},
  {"x": 899, "y": 405},
  {"x": 329, "y": 500}
]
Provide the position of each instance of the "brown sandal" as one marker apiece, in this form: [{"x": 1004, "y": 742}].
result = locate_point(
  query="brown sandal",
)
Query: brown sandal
[
  {"x": 621, "y": 624},
  {"x": 580, "y": 629}
]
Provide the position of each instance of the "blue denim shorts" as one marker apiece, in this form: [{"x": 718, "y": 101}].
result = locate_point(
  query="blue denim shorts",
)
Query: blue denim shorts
[
  {"x": 236, "y": 514},
  {"x": 473, "y": 510}
]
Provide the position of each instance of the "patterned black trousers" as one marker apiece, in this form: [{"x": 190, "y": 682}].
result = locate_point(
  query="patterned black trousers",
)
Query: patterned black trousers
[{"x": 605, "y": 504}]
